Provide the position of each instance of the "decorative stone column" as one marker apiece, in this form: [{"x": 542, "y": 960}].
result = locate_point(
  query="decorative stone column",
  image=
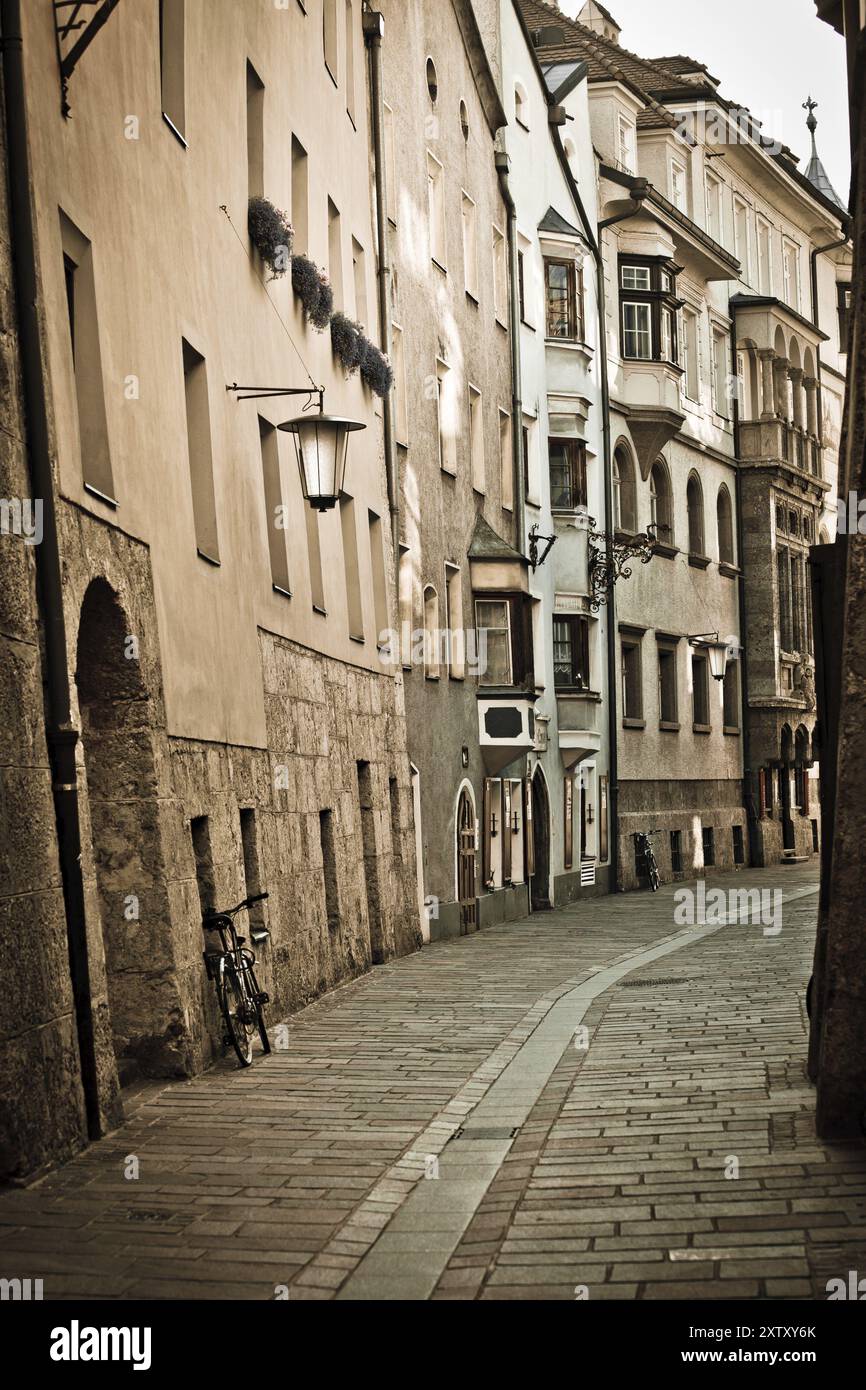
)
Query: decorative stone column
[
  {"x": 796, "y": 378},
  {"x": 811, "y": 385},
  {"x": 780, "y": 388},
  {"x": 767, "y": 357}
]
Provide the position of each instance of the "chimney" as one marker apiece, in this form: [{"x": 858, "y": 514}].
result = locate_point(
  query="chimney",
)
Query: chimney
[{"x": 594, "y": 16}]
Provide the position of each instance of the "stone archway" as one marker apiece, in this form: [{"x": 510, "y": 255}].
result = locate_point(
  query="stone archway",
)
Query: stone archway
[
  {"x": 137, "y": 1014},
  {"x": 540, "y": 883}
]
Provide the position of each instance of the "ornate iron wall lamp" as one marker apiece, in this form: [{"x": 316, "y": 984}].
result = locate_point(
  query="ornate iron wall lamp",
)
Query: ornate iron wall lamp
[
  {"x": 609, "y": 558},
  {"x": 534, "y": 558}
]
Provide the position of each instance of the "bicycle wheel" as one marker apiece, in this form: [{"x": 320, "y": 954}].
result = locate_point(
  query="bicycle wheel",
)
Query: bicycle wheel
[
  {"x": 239, "y": 1013},
  {"x": 260, "y": 1013},
  {"x": 655, "y": 881}
]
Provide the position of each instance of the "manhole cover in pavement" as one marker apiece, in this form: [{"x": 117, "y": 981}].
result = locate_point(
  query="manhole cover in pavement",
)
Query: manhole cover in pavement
[
  {"x": 641, "y": 984},
  {"x": 491, "y": 1132}
]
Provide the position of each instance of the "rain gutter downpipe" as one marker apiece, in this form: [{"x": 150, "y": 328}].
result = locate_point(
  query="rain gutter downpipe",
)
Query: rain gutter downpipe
[
  {"x": 374, "y": 31},
  {"x": 502, "y": 162},
  {"x": 61, "y": 733},
  {"x": 752, "y": 813}
]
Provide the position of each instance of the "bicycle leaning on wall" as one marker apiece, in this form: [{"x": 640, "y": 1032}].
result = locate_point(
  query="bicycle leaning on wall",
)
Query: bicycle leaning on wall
[
  {"x": 231, "y": 967},
  {"x": 644, "y": 848}
]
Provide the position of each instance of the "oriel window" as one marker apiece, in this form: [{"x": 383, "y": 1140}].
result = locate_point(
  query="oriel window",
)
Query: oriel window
[
  {"x": 571, "y": 651},
  {"x": 567, "y": 459},
  {"x": 563, "y": 290}
]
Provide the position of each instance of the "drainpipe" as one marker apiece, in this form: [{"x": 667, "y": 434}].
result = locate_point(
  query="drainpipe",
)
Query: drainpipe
[
  {"x": 62, "y": 736},
  {"x": 502, "y": 161},
  {"x": 374, "y": 31},
  {"x": 816, "y": 252},
  {"x": 640, "y": 189},
  {"x": 748, "y": 789}
]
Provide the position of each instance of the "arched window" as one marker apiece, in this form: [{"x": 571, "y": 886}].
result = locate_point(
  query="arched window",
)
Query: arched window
[
  {"x": 661, "y": 515},
  {"x": 431, "y": 633},
  {"x": 624, "y": 499},
  {"x": 695, "y": 508},
  {"x": 432, "y": 80},
  {"x": 464, "y": 120},
  {"x": 724, "y": 521}
]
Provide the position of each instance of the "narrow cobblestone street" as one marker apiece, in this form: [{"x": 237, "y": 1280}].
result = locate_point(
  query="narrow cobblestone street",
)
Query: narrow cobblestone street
[{"x": 674, "y": 1156}]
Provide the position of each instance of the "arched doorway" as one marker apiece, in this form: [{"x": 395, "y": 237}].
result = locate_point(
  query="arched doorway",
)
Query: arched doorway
[
  {"x": 540, "y": 883},
  {"x": 787, "y": 757},
  {"x": 466, "y": 862},
  {"x": 136, "y": 1009}
]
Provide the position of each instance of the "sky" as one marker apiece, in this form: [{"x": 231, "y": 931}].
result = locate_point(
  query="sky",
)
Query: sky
[{"x": 770, "y": 55}]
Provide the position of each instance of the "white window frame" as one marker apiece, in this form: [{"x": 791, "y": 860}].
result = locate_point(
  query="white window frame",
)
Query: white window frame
[
  {"x": 436, "y": 209},
  {"x": 476, "y": 439},
  {"x": 627, "y": 144},
  {"x": 637, "y": 332},
  {"x": 469, "y": 212},
  {"x": 679, "y": 190}
]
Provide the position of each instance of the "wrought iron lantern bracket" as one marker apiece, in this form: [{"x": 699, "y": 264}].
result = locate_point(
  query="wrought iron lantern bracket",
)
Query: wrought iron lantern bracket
[
  {"x": 534, "y": 558},
  {"x": 610, "y": 559}
]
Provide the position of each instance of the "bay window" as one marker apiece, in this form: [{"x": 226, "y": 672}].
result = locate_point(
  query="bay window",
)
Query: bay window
[
  {"x": 567, "y": 458},
  {"x": 571, "y": 651},
  {"x": 563, "y": 281},
  {"x": 493, "y": 624},
  {"x": 649, "y": 310}
]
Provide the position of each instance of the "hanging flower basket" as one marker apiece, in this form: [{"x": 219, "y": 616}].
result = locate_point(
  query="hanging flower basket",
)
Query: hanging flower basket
[
  {"x": 348, "y": 341},
  {"x": 313, "y": 288},
  {"x": 271, "y": 234},
  {"x": 376, "y": 370}
]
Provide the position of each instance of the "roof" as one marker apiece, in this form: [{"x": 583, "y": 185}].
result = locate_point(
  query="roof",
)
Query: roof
[
  {"x": 554, "y": 223},
  {"x": 486, "y": 544},
  {"x": 817, "y": 174},
  {"x": 655, "y": 81}
]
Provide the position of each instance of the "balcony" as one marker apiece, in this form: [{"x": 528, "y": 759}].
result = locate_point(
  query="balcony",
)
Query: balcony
[{"x": 579, "y": 718}]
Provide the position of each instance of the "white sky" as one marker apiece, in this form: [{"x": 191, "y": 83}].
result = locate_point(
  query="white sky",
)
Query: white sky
[{"x": 769, "y": 55}]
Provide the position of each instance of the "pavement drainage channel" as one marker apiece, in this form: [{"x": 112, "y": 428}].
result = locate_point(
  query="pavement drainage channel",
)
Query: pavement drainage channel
[{"x": 413, "y": 1250}]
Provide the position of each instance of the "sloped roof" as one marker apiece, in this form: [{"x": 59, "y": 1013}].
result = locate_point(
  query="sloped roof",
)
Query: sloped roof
[
  {"x": 554, "y": 222},
  {"x": 487, "y": 544}
]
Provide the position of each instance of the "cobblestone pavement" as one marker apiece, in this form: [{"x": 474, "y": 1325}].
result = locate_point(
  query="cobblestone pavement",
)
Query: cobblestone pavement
[{"x": 606, "y": 1168}]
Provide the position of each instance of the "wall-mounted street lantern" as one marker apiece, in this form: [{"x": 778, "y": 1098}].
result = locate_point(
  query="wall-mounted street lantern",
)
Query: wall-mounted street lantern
[
  {"x": 321, "y": 442},
  {"x": 717, "y": 652},
  {"x": 534, "y": 558}
]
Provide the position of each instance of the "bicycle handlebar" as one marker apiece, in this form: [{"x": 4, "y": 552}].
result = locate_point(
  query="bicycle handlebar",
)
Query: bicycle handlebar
[{"x": 230, "y": 911}]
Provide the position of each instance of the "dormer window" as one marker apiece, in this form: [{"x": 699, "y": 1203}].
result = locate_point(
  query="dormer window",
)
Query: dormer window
[
  {"x": 649, "y": 309},
  {"x": 626, "y": 157}
]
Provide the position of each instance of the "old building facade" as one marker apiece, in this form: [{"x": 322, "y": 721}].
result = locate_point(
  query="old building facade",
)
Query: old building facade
[{"x": 235, "y": 728}]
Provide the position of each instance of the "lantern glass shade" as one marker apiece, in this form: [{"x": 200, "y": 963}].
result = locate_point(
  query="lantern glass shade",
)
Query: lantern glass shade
[
  {"x": 718, "y": 657},
  {"x": 321, "y": 445}
]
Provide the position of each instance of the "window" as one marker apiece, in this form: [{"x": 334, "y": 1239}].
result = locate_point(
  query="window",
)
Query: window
[
  {"x": 432, "y": 80},
  {"x": 506, "y": 462},
  {"x": 571, "y": 651},
  {"x": 564, "y": 294},
  {"x": 738, "y": 845},
  {"x": 843, "y": 305},
  {"x": 783, "y": 584},
  {"x": 464, "y": 119},
  {"x": 199, "y": 829},
  {"x": 86, "y": 354},
  {"x": 274, "y": 509},
  {"x": 398, "y": 363},
  {"x": 632, "y": 693},
  {"x": 714, "y": 207},
  {"x": 700, "y": 691},
  {"x": 436, "y": 209},
  {"x": 335, "y": 253},
  {"x": 521, "y": 284},
  {"x": 493, "y": 625},
  {"x": 764, "y": 266},
  {"x": 359, "y": 275},
  {"x": 791, "y": 273},
  {"x": 695, "y": 509},
  {"x": 500, "y": 277},
  {"x": 255, "y": 134},
  {"x": 708, "y": 838},
  {"x": 454, "y": 622},
  {"x": 624, "y": 500},
  {"x": 741, "y": 237},
  {"x": 649, "y": 310},
  {"x": 691, "y": 381},
  {"x": 405, "y": 584},
  {"x": 567, "y": 459},
  {"x": 314, "y": 560},
  {"x": 476, "y": 439},
  {"x": 530, "y": 466},
  {"x": 521, "y": 106},
  {"x": 721, "y": 403},
  {"x": 329, "y": 870},
  {"x": 661, "y": 515},
  {"x": 446, "y": 417},
  {"x": 470, "y": 246},
  {"x": 679, "y": 187},
  {"x": 172, "y": 44},
  {"x": 431, "y": 633},
  {"x": 329, "y": 37},
  {"x": 300, "y": 195},
  {"x": 676, "y": 851},
  {"x": 199, "y": 453},
  {"x": 350, "y": 60},
  {"x": 725, "y": 525},
  {"x": 390, "y": 163},
  {"x": 354, "y": 610},
  {"x": 627, "y": 160},
  {"x": 668, "y": 705},
  {"x": 377, "y": 571},
  {"x": 252, "y": 867},
  {"x": 731, "y": 694}
]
